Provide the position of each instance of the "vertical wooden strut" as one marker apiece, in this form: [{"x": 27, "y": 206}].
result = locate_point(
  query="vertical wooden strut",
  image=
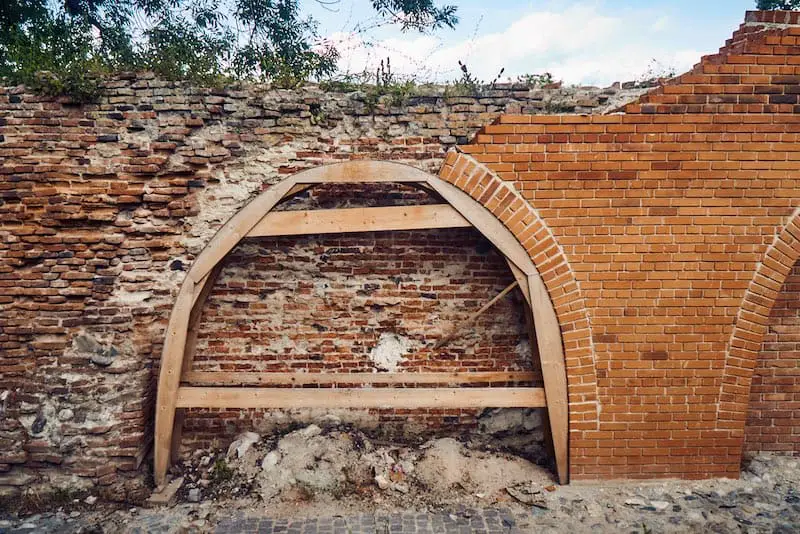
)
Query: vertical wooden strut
[
  {"x": 169, "y": 379},
  {"x": 551, "y": 355},
  {"x": 181, "y": 334}
]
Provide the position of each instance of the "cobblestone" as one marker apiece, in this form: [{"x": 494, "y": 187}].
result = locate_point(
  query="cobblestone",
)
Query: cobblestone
[{"x": 489, "y": 521}]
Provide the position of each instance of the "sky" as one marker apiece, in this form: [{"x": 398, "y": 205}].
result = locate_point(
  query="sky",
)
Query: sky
[{"x": 585, "y": 42}]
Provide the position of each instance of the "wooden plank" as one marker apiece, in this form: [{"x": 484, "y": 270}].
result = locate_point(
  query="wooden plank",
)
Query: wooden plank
[
  {"x": 165, "y": 495},
  {"x": 362, "y": 172},
  {"x": 551, "y": 355},
  {"x": 169, "y": 379},
  {"x": 486, "y": 223},
  {"x": 359, "y": 220},
  {"x": 474, "y": 317},
  {"x": 412, "y": 398},
  {"x": 223, "y": 378}
]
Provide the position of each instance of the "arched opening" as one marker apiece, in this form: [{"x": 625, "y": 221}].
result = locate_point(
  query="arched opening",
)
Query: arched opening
[
  {"x": 752, "y": 325},
  {"x": 180, "y": 388},
  {"x": 773, "y": 414}
]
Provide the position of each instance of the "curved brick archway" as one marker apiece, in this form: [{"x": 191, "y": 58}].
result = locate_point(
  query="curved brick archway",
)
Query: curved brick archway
[
  {"x": 752, "y": 324},
  {"x": 484, "y": 200},
  {"x": 524, "y": 222}
]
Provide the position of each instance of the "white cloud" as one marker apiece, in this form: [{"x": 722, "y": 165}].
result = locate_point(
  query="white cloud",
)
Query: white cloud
[{"x": 579, "y": 44}]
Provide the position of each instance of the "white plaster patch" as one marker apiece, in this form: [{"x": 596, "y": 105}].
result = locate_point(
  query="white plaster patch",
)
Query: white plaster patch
[
  {"x": 388, "y": 353},
  {"x": 523, "y": 348},
  {"x": 124, "y": 296}
]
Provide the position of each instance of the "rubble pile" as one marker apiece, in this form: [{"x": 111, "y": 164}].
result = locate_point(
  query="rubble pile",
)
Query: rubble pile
[{"x": 338, "y": 463}]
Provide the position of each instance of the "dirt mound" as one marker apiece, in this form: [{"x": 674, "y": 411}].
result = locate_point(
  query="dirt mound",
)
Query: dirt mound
[{"x": 337, "y": 463}]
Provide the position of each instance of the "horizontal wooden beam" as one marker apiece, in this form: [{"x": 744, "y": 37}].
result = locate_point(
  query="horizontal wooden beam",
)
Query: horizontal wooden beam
[
  {"x": 361, "y": 171},
  {"x": 227, "y": 378},
  {"x": 408, "y": 398},
  {"x": 358, "y": 220}
]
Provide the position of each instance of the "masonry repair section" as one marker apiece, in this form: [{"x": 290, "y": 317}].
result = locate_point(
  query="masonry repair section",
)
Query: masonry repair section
[{"x": 362, "y": 303}]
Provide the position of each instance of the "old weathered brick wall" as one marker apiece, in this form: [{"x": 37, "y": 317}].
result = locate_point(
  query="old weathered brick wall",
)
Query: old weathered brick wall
[
  {"x": 324, "y": 303},
  {"x": 673, "y": 230},
  {"x": 103, "y": 206},
  {"x": 773, "y": 419}
]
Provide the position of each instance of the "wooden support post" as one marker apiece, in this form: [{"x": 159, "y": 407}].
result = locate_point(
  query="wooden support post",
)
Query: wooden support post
[
  {"x": 551, "y": 354},
  {"x": 169, "y": 379}
]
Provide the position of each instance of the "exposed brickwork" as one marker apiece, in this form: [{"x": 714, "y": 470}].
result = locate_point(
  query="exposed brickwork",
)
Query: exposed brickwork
[
  {"x": 663, "y": 236},
  {"x": 340, "y": 294},
  {"x": 663, "y": 214},
  {"x": 103, "y": 207},
  {"x": 414, "y": 284},
  {"x": 773, "y": 419}
]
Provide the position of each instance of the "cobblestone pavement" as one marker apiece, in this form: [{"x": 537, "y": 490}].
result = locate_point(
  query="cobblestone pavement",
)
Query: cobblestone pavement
[
  {"x": 488, "y": 521},
  {"x": 766, "y": 500}
]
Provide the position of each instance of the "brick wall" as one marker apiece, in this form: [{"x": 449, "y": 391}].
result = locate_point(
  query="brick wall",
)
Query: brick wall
[
  {"x": 323, "y": 303},
  {"x": 773, "y": 418},
  {"x": 663, "y": 235},
  {"x": 662, "y": 215},
  {"x": 103, "y": 206}
]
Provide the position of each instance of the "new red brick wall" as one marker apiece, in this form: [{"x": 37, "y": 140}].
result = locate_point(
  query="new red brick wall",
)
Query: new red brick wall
[
  {"x": 663, "y": 214},
  {"x": 773, "y": 418},
  {"x": 663, "y": 236}
]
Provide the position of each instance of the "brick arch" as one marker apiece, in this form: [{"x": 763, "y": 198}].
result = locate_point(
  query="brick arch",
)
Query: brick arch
[
  {"x": 752, "y": 324},
  {"x": 522, "y": 220},
  {"x": 483, "y": 200}
]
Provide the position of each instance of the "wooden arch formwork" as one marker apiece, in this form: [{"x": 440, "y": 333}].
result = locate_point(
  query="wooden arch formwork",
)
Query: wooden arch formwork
[{"x": 179, "y": 388}]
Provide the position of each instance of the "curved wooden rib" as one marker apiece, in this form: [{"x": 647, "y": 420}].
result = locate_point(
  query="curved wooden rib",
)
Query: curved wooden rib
[
  {"x": 190, "y": 295},
  {"x": 169, "y": 378},
  {"x": 551, "y": 356},
  {"x": 177, "y": 356}
]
